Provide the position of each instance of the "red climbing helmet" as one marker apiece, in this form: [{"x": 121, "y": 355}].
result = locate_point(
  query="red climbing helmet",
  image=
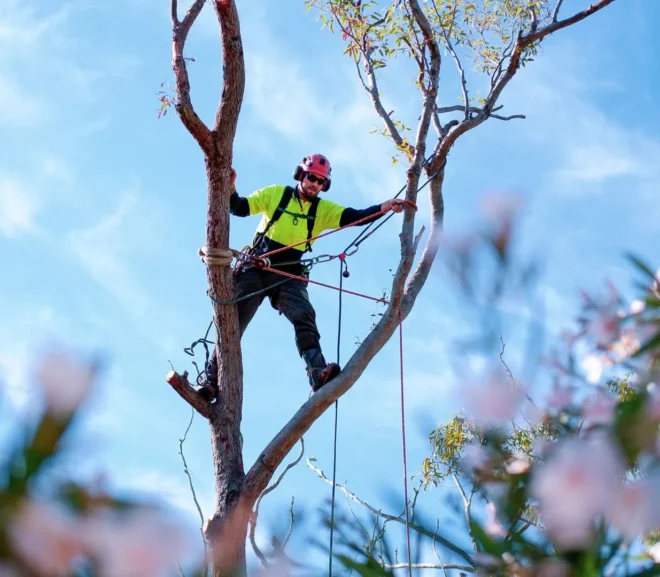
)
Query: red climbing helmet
[{"x": 316, "y": 164}]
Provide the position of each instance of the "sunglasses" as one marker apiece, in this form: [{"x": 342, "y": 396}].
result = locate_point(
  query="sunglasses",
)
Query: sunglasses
[{"x": 314, "y": 178}]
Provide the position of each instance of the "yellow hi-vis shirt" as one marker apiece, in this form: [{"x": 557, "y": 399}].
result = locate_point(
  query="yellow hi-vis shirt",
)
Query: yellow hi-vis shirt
[{"x": 288, "y": 229}]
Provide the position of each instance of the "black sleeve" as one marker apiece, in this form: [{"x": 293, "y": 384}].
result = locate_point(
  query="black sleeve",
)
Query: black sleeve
[
  {"x": 351, "y": 215},
  {"x": 238, "y": 205}
]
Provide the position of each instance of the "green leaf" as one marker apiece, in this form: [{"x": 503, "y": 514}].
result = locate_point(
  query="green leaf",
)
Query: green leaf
[
  {"x": 641, "y": 265},
  {"x": 652, "y": 343},
  {"x": 488, "y": 544},
  {"x": 650, "y": 572},
  {"x": 370, "y": 569}
]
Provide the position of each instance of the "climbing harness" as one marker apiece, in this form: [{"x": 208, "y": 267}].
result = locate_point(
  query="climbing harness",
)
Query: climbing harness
[
  {"x": 259, "y": 238},
  {"x": 263, "y": 261}
]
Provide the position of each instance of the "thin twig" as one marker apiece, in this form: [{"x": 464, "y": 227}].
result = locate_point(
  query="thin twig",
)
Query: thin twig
[
  {"x": 467, "y": 502},
  {"x": 535, "y": 21},
  {"x": 435, "y": 551},
  {"x": 452, "y": 51},
  {"x": 255, "y": 514},
  {"x": 387, "y": 516},
  {"x": 428, "y": 566},
  {"x": 372, "y": 85},
  {"x": 512, "y": 117},
  {"x": 288, "y": 535},
  {"x": 192, "y": 490}
]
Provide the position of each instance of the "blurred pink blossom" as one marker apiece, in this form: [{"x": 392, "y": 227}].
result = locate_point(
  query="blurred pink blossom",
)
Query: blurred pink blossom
[
  {"x": 598, "y": 408},
  {"x": 575, "y": 485},
  {"x": 501, "y": 206},
  {"x": 593, "y": 365},
  {"x": 603, "y": 328},
  {"x": 65, "y": 382},
  {"x": 553, "y": 568},
  {"x": 46, "y": 537},
  {"x": 560, "y": 397},
  {"x": 6, "y": 571},
  {"x": 494, "y": 403},
  {"x": 518, "y": 465},
  {"x": 474, "y": 457},
  {"x": 492, "y": 526},
  {"x": 635, "y": 511},
  {"x": 138, "y": 543},
  {"x": 637, "y": 307}
]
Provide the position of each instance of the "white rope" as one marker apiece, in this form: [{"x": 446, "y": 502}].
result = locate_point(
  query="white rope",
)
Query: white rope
[{"x": 216, "y": 256}]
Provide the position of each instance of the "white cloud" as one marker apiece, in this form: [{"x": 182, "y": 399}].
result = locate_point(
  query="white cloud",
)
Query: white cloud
[
  {"x": 604, "y": 150},
  {"x": 20, "y": 343},
  {"x": 105, "y": 250},
  {"x": 591, "y": 148},
  {"x": 173, "y": 491},
  {"x": 18, "y": 208}
]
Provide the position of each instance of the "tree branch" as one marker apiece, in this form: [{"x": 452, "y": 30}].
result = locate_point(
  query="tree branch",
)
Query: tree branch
[
  {"x": 181, "y": 385},
  {"x": 371, "y": 86},
  {"x": 183, "y": 106},
  {"x": 452, "y": 51},
  {"x": 422, "y": 530},
  {"x": 466, "y": 510},
  {"x": 555, "y": 13},
  {"x": 192, "y": 490},
  {"x": 374, "y": 94},
  {"x": 535, "y": 21},
  {"x": 555, "y": 26},
  {"x": 255, "y": 515},
  {"x": 419, "y": 276},
  {"x": 233, "y": 66},
  {"x": 428, "y": 566},
  {"x": 174, "y": 14},
  {"x": 430, "y": 94},
  {"x": 512, "y": 117}
]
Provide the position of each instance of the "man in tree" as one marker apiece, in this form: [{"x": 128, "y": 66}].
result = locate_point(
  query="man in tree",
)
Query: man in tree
[{"x": 292, "y": 216}]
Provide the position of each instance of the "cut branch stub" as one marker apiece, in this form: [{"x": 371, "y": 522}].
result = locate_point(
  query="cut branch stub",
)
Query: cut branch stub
[{"x": 181, "y": 385}]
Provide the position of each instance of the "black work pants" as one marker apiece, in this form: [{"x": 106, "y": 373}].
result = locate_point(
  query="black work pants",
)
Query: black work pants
[{"x": 290, "y": 299}]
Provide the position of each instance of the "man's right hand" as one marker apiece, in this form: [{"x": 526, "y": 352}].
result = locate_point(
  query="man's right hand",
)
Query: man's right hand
[{"x": 232, "y": 181}]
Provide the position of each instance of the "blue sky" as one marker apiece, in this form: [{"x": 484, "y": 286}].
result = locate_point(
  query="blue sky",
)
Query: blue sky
[{"x": 102, "y": 209}]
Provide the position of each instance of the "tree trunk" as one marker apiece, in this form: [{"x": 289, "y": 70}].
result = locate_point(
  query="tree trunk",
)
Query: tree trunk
[{"x": 226, "y": 531}]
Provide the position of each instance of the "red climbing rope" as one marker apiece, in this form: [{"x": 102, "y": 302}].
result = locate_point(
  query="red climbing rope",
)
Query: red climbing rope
[
  {"x": 403, "y": 434},
  {"x": 305, "y": 279}
]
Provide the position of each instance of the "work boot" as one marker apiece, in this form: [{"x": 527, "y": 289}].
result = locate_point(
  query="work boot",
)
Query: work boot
[
  {"x": 208, "y": 380},
  {"x": 318, "y": 371}
]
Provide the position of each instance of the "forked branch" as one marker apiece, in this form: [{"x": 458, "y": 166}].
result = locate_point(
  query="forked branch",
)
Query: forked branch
[{"x": 183, "y": 106}]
